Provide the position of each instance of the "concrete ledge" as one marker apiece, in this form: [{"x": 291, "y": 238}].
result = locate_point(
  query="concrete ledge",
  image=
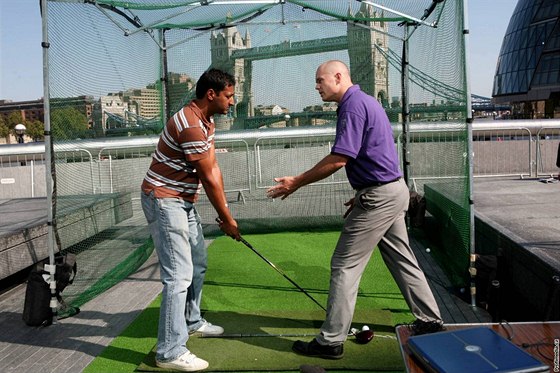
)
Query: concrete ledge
[
  {"x": 517, "y": 222},
  {"x": 24, "y": 232},
  {"x": 526, "y": 277}
]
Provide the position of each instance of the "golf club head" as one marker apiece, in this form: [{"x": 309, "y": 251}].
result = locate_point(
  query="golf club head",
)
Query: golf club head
[{"x": 363, "y": 336}]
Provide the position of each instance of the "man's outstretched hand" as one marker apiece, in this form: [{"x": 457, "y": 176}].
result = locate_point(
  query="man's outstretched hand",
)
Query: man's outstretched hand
[{"x": 286, "y": 186}]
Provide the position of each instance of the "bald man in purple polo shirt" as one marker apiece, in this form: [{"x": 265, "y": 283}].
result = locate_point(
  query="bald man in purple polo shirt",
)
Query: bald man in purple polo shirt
[{"x": 364, "y": 145}]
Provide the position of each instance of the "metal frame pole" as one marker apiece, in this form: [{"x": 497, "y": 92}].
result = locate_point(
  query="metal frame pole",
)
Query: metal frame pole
[
  {"x": 164, "y": 79},
  {"x": 49, "y": 162},
  {"x": 470, "y": 153},
  {"x": 405, "y": 103}
]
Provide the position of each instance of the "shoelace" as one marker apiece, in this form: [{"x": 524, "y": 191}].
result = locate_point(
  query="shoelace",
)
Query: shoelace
[{"x": 187, "y": 357}]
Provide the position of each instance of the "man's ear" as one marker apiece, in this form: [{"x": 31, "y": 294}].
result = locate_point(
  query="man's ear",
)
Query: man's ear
[
  {"x": 210, "y": 94},
  {"x": 338, "y": 77}
]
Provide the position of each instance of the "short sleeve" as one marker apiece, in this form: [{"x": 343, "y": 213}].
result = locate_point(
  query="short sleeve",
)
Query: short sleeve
[
  {"x": 194, "y": 143},
  {"x": 349, "y": 134}
]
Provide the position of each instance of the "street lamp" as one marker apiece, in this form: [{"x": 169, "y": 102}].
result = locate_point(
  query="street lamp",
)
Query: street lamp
[{"x": 20, "y": 130}]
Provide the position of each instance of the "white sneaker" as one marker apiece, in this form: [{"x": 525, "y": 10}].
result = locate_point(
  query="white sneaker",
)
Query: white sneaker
[
  {"x": 208, "y": 329},
  {"x": 188, "y": 362}
]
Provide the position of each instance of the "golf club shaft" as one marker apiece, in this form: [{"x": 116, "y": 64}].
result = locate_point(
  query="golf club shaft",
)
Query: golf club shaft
[
  {"x": 257, "y": 335},
  {"x": 287, "y": 335},
  {"x": 281, "y": 272},
  {"x": 277, "y": 269}
]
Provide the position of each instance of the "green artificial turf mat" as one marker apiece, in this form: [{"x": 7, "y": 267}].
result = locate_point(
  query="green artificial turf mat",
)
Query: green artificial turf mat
[
  {"x": 239, "y": 284},
  {"x": 238, "y": 279},
  {"x": 259, "y": 353}
]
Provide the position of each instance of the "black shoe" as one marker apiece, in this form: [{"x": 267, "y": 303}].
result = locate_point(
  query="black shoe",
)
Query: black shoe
[
  {"x": 420, "y": 327},
  {"x": 313, "y": 348}
]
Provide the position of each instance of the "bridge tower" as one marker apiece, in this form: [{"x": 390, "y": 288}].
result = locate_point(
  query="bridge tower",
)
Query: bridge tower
[
  {"x": 368, "y": 66},
  {"x": 222, "y": 45}
]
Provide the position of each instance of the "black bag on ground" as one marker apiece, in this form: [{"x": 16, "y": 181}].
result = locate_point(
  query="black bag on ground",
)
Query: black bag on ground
[
  {"x": 36, "y": 309},
  {"x": 416, "y": 209}
]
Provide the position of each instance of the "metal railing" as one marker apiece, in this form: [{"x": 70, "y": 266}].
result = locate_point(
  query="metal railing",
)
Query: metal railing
[{"x": 250, "y": 159}]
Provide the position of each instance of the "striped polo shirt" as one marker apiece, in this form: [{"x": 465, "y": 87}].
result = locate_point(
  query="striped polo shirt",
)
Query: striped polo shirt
[{"x": 187, "y": 137}]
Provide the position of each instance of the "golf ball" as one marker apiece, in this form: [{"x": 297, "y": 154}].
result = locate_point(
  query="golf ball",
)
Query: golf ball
[
  {"x": 428, "y": 250},
  {"x": 365, "y": 327}
]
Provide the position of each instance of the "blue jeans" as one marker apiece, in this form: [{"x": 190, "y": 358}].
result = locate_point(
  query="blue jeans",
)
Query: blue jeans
[{"x": 179, "y": 243}]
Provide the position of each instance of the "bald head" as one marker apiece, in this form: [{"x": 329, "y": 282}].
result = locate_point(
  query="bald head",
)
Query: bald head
[
  {"x": 333, "y": 67},
  {"x": 332, "y": 80}
]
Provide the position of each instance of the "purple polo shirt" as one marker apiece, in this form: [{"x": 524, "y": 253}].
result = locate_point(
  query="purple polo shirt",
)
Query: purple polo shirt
[{"x": 364, "y": 134}]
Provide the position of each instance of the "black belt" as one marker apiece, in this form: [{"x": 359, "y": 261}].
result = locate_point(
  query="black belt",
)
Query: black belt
[{"x": 376, "y": 184}]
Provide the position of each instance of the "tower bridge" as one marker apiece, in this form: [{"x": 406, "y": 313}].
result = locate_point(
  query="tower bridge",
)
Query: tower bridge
[
  {"x": 292, "y": 48},
  {"x": 232, "y": 52}
]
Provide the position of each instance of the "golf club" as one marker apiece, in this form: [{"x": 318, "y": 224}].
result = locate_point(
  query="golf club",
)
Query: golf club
[
  {"x": 277, "y": 269},
  {"x": 362, "y": 336},
  {"x": 256, "y": 335}
]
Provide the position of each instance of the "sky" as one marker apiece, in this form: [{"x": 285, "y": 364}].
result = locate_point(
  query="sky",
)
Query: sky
[{"x": 21, "y": 60}]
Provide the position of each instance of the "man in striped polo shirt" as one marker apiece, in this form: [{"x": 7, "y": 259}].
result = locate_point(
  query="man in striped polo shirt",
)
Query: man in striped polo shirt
[{"x": 184, "y": 162}]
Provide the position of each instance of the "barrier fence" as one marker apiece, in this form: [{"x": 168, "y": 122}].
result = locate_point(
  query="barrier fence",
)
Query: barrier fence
[
  {"x": 501, "y": 149},
  {"x": 110, "y": 172}
]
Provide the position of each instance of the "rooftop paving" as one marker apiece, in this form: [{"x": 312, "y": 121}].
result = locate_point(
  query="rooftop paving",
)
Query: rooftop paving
[{"x": 527, "y": 210}]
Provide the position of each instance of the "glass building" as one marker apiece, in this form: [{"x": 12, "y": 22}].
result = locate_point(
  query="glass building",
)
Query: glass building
[{"x": 528, "y": 69}]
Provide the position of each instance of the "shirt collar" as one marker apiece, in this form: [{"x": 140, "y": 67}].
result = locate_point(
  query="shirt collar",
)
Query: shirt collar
[
  {"x": 349, "y": 92},
  {"x": 196, "y": 110}
]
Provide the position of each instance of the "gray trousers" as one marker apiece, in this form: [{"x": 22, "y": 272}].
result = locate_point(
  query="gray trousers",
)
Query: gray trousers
[{"x": 377, "y": 219}]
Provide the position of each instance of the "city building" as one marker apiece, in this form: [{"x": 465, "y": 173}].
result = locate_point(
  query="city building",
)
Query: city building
[
  {"x": 181, "y": 89},
  {"x": 145, "y": 101},
  {"x": 33, "y": 110},
  {"x": 528, "y": 69},
  {"x": 326, "y": 106},
  {"x": 270, "y": 110},
  {"x": 29, "y": 110},
  {"x": 83, "y": 104}
]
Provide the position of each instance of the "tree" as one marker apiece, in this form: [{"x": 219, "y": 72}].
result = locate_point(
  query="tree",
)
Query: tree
[
  {"x": 4, "y": 130},
  {"x": 14, "y": 118},
  {"x": 68, "y": 124},
  {"x": 35, "y": 130}
]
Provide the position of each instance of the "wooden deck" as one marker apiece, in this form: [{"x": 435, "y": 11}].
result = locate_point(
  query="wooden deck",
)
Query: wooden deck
[
  {"x": 74, "y": 342},
  {"x": 453, "y": 309}
]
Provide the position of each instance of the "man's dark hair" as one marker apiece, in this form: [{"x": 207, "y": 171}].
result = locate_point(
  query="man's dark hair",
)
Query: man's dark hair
[{"x": 213, "y": 79}]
